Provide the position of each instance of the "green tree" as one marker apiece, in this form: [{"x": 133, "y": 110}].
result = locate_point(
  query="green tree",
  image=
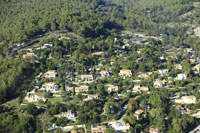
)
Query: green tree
[
  {"x": 110, "y": 130},
  {"x": 31, "y": 109}
]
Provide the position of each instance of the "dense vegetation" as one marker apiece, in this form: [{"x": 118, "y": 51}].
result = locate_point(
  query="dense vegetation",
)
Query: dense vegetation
[
  {"x": 14, "y": 73},
  {"x": 25, "y": 19}
]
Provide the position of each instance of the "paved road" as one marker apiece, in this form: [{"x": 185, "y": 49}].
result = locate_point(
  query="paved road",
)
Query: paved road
[
  {"x": 196, "y": 130},
  {"x": 123, "y": 112}
]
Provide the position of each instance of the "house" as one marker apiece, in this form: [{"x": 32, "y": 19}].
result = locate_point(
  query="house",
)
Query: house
[
  {"x": 112, "y": 88},
  {"x": 51, "y": 86},
  {"x": 139, "y": 88},
  {"x": 143, "y": 75},
  {"x": 98, "y": 129},
  {"x": 73, "y": 129},
  {"x": 19, "y": 45},
  {"x": 138, "y": 114},
  {"x": 63, "y": 38},
  {"x": 91, "y": 97},
  {"x": 196, "y": 4},
  {"x": 186, "y": 100},
  {"x": 50, "y": 74},
  {"x": 69, "y": 88},
  {"x": 86, "y": 78},
  {"x": 29, "y": 54},
  {"x": 115, "y": 40},
  {"x": 125, "y": 73},
  {"x": 98, "y": 53},
  {"x": 104, "y": 73},
  {"x": 189, "y": 99},
  {"x": 163, "y": 72},
  {"x": 77, "y": 131},
  {"x": 189, "y": 50},
  {"x": 139, "y": 34},
  {"x": 125, "y": 45},
  {"x": 144, "y": 89},
  {"x": 120, "y": 126},
  {"x": 78, "y": 89},
  {"x": 162, "y": 57},
  {"x": 181, "y": 76},
  {"x": 69, "y": 115},
  {"x": 192, "y": 61},
  {"x": 178, "y": 66},
  {"x": 153, "y": 130},
  {"x": 197, "y": 114},
  {"x": 197, "y": 68},
  {"x": 48, "y": 45},
  {"x": 35, "y": 97},
  {"x": 136, "y": 88},
  {"x": 159, "y": 83}
]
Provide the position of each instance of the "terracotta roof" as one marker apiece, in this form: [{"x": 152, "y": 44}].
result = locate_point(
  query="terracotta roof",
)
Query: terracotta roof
[
  {"x": 153, "y": 129},
  {"x": 86, "y": 76},
  {"x": 103, "y": 71},
  {"x": 39, "y": 94},
  {"x": 189, "y": 97},
  {"x": 98, "y": 53},
  {"x": 139, "y": 111}
]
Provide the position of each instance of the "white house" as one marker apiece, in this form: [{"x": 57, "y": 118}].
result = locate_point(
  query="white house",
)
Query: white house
[
  {"x": 139, "y": 88},
  {"x": 69, "y": 115},
  {"x": 79, "y": 89},
  {"x": 47, "y": 45},
  {"x": 138, "y": 114},
  {"x": 112, "y": 88},
  {"x": 136, "y": 88},
  {"x": 29, "y": 54},
  {"x": 125, "y": 73},
  {"x": 91, "y": 97},
  {"x": 186, "y": 100},
  {"x": 181, "y": 76},
  {"x": 197, "y": 68},
  {"x": 125, "y": 45},
  {"x": 86, "y": 78},
  {"x": 163, "y": 72},
  {"x": 51, "y": 86},
  {"x": 178, "y": 66},
  {"x": 104, "y": 73},
  {"x": 159, "y": 83},
  {"x": 35, "y": 97},
  {"x": 98, "y": 129},
  {"x": 120, "y": 126},
  {"x": 144, "y": 89},
  {"x": 143, "y": 75},
  {"x": 50, "y": 74}
]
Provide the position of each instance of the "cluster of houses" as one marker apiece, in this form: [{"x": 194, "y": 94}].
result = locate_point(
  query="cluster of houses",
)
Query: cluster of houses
[
  {"x": 82, "y": 85},
  {"x": 38, "y": 94},
  {"x": 19, "y": 49}
]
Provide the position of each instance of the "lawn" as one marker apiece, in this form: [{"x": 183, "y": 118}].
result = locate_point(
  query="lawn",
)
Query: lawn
[
  {"x": 55, "y": 99},
  {"x": 40, "y": 104}
]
